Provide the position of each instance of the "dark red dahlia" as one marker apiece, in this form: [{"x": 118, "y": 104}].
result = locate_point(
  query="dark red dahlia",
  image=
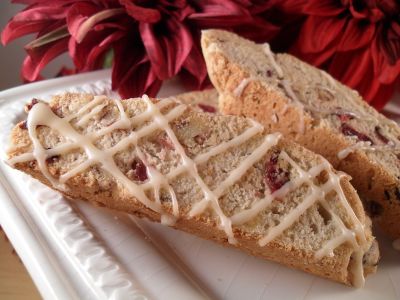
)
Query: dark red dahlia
[
  {"x": 357, "y": 41},
  {"x": 148, "y": 41}
]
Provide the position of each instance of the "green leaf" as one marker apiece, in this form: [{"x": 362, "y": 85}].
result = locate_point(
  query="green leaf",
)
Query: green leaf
[{"x": 108, "y": 59}]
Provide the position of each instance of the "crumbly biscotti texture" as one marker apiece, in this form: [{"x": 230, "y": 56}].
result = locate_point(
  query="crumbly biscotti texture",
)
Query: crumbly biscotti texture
[
  {"x": 308, "y": 105},
  {"x": 202, "y": 101},
  {"x": 198, "y": 133}
]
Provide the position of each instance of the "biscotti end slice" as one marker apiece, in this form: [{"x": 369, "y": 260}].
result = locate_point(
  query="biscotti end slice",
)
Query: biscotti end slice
[
  {"x": 219, "y": 177},
  {"x": 308, "y": 105}
]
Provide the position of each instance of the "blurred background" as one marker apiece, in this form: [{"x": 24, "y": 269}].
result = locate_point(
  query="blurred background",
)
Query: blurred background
[{"x": 12, "y": 56}]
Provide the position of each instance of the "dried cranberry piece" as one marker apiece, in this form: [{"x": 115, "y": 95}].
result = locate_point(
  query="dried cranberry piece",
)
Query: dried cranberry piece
[
  {"x": 378, "y": 132},
  {"x": 139, "y": 170},
  {"x": 52, "y": 159},
  {"x": 29, "y": 106},
  {"x": 23, "y": 125},
  {"x": 269, "y": 73},
  {"x": 275, "y": 177},
  {"x": 350, "y": 131},
  {"x": 344, "y": 117},
  {"x": 207, "y": 108}
]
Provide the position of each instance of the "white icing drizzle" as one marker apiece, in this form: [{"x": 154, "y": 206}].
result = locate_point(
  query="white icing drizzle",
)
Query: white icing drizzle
[
  {"x": 274, "y": 118},
  {"x": 270, "y": 55},
  {"x": 357, "y": 146},
  {"x": 41, "y": 114},
  {"x": 238, "y": 91},
  {"x": 396, "y": 244},
  {"x": 365, "y": 146}
]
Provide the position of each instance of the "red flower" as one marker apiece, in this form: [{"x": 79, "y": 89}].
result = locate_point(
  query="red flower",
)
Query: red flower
[
  {"x": 149, "y": 41},
  {"x": 358, "y": 42}
]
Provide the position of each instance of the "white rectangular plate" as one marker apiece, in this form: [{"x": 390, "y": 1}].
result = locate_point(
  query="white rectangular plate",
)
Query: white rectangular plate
[{"x": 73, "y": 250}]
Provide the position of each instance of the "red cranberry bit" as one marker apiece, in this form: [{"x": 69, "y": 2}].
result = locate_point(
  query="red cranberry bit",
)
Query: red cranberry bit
[
  {"x": 344, "y": 117},
  {"x": 52, "y": 159},
  {"x": 350, "y": 131},
  {"x": 166, "y": 142},
  {"x": 207, "y": 108},
  {"x": 139, "y": 170},
  {"x": 275, "y": 177},
  {"x": 269, "y": 73},
  {"x": 378, "y": 132},
  {"x": 29, "y": 106},
  {"x": 22, "y": 125}
]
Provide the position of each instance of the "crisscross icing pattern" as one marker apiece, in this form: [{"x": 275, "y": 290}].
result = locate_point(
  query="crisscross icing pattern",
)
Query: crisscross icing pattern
[
  {"x": 41, "y": 114},
  {"x": 152, "y": 120}
]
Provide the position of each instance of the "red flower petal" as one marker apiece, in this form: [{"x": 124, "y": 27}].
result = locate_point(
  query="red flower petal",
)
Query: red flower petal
[
  {"x": 373, "y": 14},
  {"x": 141, "y": 14},
  {"x": 259, "y": 30},
  {"x": 356, "y": 35},
  {"x": 89, "y": 55},
  {"x": 141, "y": 81},
  {"x": 196, "y": 72},
  {"x": 221, "y": 14},
  {"x": 359, "y": 75},
  {"x": 387, "y": 73},
  {"x": 321, "y": 8},
  {"x": 39, "y": 57},
  {"x": 77, "y": 14},
  {"x": 127, "y": 56},
  {"x": 35, "y": 13},
  {"x": 357, "y": 65},
  {"x": 382, "y": 96},
  {"x": 66, "y": 71},
  {"x": 94, "y": 59},
  {"x": 132, "y": 74},
  {"x": 318, "y": 33},
  {"x": 16, "y": 29},
  {"x": 166, "y": 53}
]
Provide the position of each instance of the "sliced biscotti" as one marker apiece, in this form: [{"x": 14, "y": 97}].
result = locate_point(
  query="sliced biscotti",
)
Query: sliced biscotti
[
  {"x": 219, "y": 177},
  {"x": 308, "y": 105}
]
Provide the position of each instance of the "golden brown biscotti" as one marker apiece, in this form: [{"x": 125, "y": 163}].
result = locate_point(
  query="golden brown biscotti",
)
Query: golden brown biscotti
[
  {"x": 308, "y": 105},
  {"x": 219, "y": 177}
]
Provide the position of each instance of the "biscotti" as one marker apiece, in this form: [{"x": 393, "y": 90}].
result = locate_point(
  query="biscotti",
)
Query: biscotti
[
  {"x": 219, "y": 177},
  {"x": 308, "y": 105}
]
